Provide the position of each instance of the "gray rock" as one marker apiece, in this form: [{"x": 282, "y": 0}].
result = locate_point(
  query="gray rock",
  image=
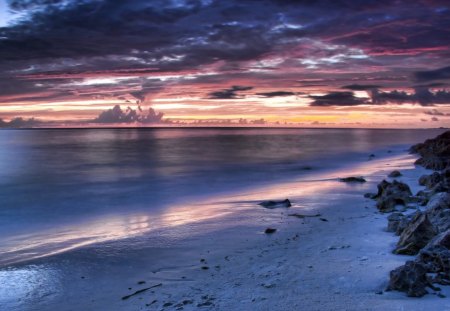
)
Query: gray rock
[
  {"x": 410, "y": 278},
  {"x": 415, "y": 236},
  {"x": 435, "y": 153},
  {"x": 442, "y": 239},
  {"x": 430, "y": 181},
  {"x": 270, "y": 231},
  {"x": 394, "y": 174},
  {"x": 394, "y": 220},
  {"x": 436, "y": 259},
  {"x": 438, "y": 211},
  {"x": 391, "y": 194},
  {"x": 353, "y": 179},
  {"x": 370, "y": 195},
  {"x": 275, "y": 204},
  {"x": 404, "y": 222}
]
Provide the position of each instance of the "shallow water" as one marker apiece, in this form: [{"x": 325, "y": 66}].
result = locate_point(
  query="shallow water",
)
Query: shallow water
[{"x": 62, "y": 189}]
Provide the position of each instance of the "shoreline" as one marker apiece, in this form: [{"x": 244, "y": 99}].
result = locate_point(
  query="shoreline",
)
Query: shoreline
[
  {"x": 304, "y": 173},
  {"x": 308, "y": 263}
]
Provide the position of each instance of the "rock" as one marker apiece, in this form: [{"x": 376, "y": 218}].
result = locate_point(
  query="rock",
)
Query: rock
[
  {"x": 432, "y": 162},
  {"x": 410, "y": 278},
  {"x": 404, "y": 222},
  {"x": 394, "y": 174},
  {"x": 370, "y": 195},
  {"x": 275, "y": 204},
  {"x": 270, "y": 230},
  {"x": 394, "y": 220},
  {"x": 438, "y": 211},
  {"x": 391, "y": 194},
  {"x": 435, "y": 153},
  {"x": 415, "y": 236},
  {"x": 422, "y": 197},
  {"x": 442, "y": 239},
  {"x": 352, "y": 179},
  {"x": 302, "y": 216},
  {"x": 436, "y": 259},
  {"x": 430, "y": 181}
]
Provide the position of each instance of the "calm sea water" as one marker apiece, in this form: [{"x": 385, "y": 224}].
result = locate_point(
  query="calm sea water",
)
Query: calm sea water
[{"x": 53, "y": 182}]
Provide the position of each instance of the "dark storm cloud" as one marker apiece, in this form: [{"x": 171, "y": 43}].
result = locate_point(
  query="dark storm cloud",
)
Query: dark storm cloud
[
  {"x": 430, "y": 75},
  {"x": 360, "y": 87},
  {"x": 129, "y": 115},
  {"x": 435, "y": 112},
  {"x": 432, "y": 85},
  {"x": 230, "y": 93},
  {"x": 338, "y": 99},
  {"x": 208, "y": 30},
  {"x": 20, "y": 122},
  {"x": 422, "y": 96},
  {"x": 276, "y": 94},
  {"x": 59, "y": 39},
  {"x": 156, "y": 31}
]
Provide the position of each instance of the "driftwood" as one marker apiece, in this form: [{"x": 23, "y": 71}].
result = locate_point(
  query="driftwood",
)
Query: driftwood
[{"x": 140, "y": 291}]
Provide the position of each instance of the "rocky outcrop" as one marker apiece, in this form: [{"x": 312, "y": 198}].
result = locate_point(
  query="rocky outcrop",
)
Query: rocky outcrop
[
  {"x": 395, "y": 174},
  {"x": 438, "y": 211},
  {"x": 436, "y": 259},
  {"x": 443, "y": 239},
  {"x": 404, "y": 222},
  {"x": 390, "y": 195},
  {"x": 435, "y": 183},
  {"x": 394, "y": 221},
  {"x": 410, "y": 278},
  {"x": 426, "y": 232},
  {"x": 353, "y": 179},
  {"x": 429, "y": 181},
  {"x": 434, "y": 153},
  {"x": 416, "y": 235},
  {"x": 275, "y": 204}
]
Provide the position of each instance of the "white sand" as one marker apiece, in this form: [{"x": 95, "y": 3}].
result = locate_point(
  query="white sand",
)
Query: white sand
[{"x": 308, "y": 264}]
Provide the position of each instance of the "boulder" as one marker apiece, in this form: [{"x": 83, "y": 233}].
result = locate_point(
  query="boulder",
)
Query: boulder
[
  {"x": 432, "y": 162},
  {"x": 415, "y": 236},
  {"x": 436, "y": 259},
  {"x": 275, "y": 204},
  {"x": 434, "y": 153},
  {"x": 391, "y": 194},
  {"x": 394, "y": 220},
  {"x": 436, "y": 182},
  {"x": 442, "y": 239},
  {"x": 370, "y": 195},
  {"x": 404, "y": 222},
  {"x": 410, "y": 278},
  {"x": 352, "y": 179},
  {"x": 394, "y": 174},
  {"x": 429, "y": 181},
  {"x": 270, "y": 231},
  {"x": 438, "y": 211}
]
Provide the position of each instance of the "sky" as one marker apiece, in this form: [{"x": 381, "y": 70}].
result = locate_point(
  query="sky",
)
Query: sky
[{"x": 305, "y": 63}]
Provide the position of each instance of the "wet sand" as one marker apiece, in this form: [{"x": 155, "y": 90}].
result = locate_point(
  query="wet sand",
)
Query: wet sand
[{"x": 338, "y": 261}]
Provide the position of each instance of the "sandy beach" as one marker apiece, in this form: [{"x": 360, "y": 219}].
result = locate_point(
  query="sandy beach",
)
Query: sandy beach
[
  {"x": 339, "y": 260},
  {"x": 263, "y": 155}
]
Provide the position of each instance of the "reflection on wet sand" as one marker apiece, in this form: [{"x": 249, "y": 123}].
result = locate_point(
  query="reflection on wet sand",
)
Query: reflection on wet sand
[{"x": 115, "y": 227}]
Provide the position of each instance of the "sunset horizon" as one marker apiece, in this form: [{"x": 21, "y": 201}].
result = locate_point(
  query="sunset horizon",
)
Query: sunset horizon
[
  {"x": 324, "y": 64},
  {"x": 224, "y": 155}
]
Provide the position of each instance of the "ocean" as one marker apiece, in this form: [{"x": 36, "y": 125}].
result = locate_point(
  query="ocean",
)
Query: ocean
[{"x": 62, "y": 189}]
